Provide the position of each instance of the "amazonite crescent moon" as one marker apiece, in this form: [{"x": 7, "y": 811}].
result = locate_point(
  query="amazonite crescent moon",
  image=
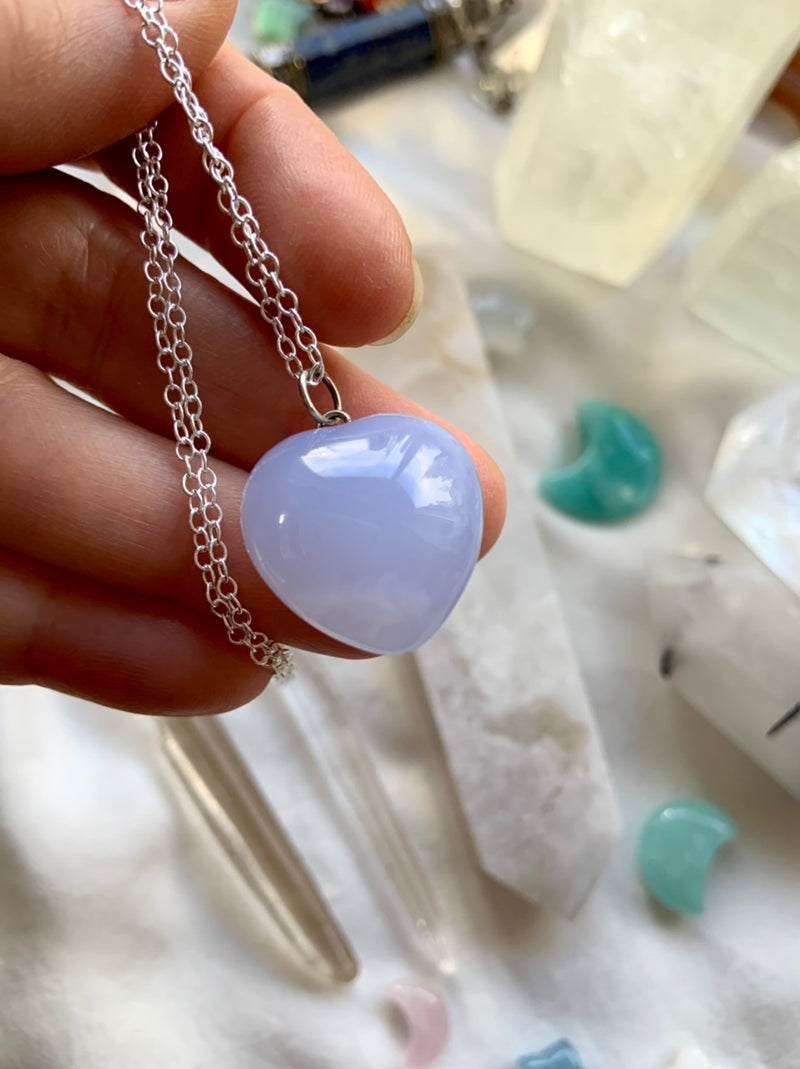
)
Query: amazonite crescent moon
[
  {"x": 618, "y": 472},
  {"x": 678, "y": 843}
]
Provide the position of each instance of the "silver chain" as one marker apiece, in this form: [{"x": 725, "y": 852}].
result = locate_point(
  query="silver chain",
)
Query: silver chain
[
  {"x": 277, "y": 303},
  {"x": 297, "y": 344},
  {"x": 192, "y": 443}
]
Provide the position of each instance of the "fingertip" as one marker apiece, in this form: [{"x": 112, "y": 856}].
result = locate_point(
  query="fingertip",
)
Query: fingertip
[
  {"x": 495, "y": 499},
  {"x": 493, "y": 485},
  {"x": 412, "y": 311}
]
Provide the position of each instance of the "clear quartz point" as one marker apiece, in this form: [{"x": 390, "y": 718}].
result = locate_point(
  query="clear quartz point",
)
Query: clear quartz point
[
  {"x": 320, "y": 709},
  {"x": 754, "y": 486},
  {"x": 231, "y": 803}
]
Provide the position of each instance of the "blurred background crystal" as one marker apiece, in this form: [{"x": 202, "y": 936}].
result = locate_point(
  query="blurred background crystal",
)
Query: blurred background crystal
[
  {"x": 730, "y": 635},
  {"x": 754, "y": 485},
  {"x": 504, "y": 318},
  {"x": 745, "y": 278},
  {"x": 628, "y": 119}
]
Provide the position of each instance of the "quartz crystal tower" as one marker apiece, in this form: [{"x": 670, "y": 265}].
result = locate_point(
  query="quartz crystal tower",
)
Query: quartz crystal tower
[
  {"x": 745, "y": 278},
  {"x": 632, "y": 111}
]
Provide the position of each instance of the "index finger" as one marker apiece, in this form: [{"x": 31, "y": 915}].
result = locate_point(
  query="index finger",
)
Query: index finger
[
  {"x": 76, "y": 76},
  {"x": 342, "y": 245}
]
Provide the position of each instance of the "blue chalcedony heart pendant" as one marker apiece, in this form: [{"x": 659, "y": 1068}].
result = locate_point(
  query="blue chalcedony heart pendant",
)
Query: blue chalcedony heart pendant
[{"x": 367, "y": 530}]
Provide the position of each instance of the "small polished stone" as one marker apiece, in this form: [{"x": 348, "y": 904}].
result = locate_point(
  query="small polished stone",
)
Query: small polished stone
[
  {"x": 618, "y": 472},
  {"x": 369, "y": 530},
  {"x": 560, "y": 1055},
  {"x": 505, "y": 318},
  {"x": 677, "y": 845},
  {"x": 280, "y": 21},
  {"x": 428, "y": 1021}
]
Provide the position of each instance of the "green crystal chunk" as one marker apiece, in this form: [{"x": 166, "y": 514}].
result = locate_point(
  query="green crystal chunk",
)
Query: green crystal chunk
[
  {"x": 280, "y": 21},
  {"x": 618, "y": 472},
  {"x": 676, "y": 848}
]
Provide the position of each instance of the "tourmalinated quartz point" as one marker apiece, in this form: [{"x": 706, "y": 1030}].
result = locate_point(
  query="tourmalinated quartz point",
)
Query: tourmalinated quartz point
[
  {"x": 730, "y": 637},
  {"x": 501, "y": 675},
  {"x": 618, "y": 472},
  {"x": 754, "y": 484},
  {"x": 627, "y": 120},
  {"x": 677, "y": 845},
  {"x": 368, "y": 530},
  {"x": 560, "y": 1055},
  {"x": 745, "y": 278}
]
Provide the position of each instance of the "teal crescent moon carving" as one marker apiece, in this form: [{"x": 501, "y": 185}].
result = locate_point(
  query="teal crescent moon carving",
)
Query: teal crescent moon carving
[
  {"x": 678, "y": 843},
  {"x": 618, "y": 472}
]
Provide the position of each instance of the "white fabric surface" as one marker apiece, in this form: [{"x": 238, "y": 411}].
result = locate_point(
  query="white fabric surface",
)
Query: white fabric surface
[{"x": 125, "y": 943}]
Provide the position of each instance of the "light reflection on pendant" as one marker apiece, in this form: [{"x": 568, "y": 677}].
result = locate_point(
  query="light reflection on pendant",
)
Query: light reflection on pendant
[{"x": 367, "y": 530}]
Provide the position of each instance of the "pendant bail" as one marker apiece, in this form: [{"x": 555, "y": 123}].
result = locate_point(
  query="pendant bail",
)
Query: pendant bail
[{"x": 332, "y": 416}]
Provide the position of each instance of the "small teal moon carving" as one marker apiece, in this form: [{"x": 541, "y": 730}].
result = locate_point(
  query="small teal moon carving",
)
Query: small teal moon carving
[
  {"x": 618, "y": 472},
  {"x": 560, "y": 1055},
  {"x": 677, "y": 845}
]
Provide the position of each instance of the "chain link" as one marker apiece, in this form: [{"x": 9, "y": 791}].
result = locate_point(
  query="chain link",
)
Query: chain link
[{"x": 278, "y": 307}]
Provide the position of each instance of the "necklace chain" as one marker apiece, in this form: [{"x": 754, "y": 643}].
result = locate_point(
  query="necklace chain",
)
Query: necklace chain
[{"x": 296, "y": 343}]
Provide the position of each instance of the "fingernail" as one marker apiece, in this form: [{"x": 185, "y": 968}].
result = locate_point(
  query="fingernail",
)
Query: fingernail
[{"x": 413, "y": 310}]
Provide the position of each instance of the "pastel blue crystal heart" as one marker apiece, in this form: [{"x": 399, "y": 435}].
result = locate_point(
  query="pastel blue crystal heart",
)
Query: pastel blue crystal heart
[{"x": 368, "y": 530}]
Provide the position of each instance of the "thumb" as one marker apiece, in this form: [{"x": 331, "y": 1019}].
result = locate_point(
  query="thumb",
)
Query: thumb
[{"x": 75, "y": 75}]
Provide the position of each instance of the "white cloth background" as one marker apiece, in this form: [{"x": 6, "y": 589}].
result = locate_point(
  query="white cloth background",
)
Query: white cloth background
[{"x": 124, "y": 940}]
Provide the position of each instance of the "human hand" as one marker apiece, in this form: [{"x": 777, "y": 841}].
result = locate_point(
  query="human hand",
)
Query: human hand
[{"x": 98, "y": 592}]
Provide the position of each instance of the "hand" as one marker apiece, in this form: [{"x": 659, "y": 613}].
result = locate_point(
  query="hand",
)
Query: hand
[{"x": 98, "y": 592}]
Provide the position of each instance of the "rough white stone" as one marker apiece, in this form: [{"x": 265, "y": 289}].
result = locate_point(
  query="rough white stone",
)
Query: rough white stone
[
  {"x": 754, "y": 485},
  {"x": 730, "y": 637},
  {"x": 501, "y": 674}
]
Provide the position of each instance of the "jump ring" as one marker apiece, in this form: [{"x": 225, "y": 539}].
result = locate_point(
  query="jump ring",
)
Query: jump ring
[{"x": 334, "y": 415}]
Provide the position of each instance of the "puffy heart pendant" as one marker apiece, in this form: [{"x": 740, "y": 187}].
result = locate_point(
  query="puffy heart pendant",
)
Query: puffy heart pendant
[{"x": 367, "y": 530}]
